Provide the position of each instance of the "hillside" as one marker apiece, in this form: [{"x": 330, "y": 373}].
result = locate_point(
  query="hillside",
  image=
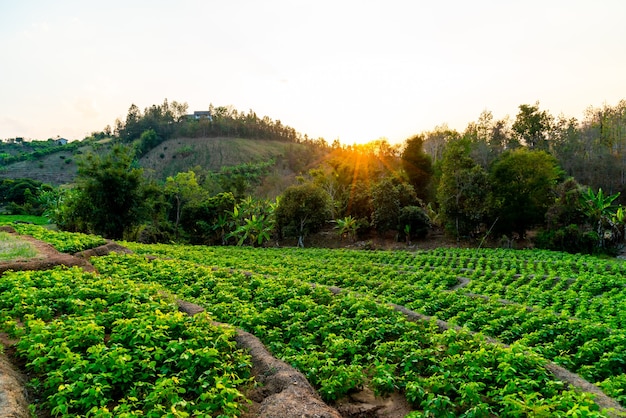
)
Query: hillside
[
  {"x": 176, "y": 155},
  {"x": 57, "y": 168},
  {"x": 181, "y": 154}
]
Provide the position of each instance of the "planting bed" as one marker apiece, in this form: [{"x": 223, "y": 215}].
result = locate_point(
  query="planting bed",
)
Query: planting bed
[{"x": 361, "y": 347}]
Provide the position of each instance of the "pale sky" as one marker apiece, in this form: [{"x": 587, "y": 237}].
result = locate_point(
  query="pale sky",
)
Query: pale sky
[{"x": 353, "y": 70}]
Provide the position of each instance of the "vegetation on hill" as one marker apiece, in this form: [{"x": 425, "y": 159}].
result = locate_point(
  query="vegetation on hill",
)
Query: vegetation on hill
[{"x": 497, "y": 179}]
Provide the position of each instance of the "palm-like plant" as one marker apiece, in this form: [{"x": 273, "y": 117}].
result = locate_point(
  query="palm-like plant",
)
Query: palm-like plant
[
  {"x": 348, "y": 226},
  {"x": 602, "y": 213},
  {"x": 252, "y": 221}
]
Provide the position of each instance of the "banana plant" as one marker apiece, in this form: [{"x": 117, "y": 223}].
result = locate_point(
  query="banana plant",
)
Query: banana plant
[
  {"x": 347, "y": 226},
  {"x": 601, "y": 213}
]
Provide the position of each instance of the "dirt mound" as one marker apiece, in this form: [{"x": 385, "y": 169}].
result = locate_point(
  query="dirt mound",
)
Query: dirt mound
[
  {"x": 13, "y": 403},
  {"x": 109, "y": 247}
]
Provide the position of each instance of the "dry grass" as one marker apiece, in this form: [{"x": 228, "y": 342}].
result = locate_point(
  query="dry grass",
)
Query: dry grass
[{"x": 12, "y": 248}]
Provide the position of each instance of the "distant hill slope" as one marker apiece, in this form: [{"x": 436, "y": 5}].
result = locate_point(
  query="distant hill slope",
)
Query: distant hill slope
[
  {"x": 179, "y": 155},
  {"x": 57, "y": 168}
]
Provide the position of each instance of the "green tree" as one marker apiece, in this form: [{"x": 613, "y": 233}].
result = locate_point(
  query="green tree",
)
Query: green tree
[
  {"x": 22, "y": 196},
  {"x": 388, "y": 198},
  {"x": 253, "y": 221},
  {"x": 463, "y": 190},
  {"x": 413, "y": 222},
  {"x": 110, "y": 192},
  {"x": 522, "y": 184},
  {"x": 347, "y": 227},
  {"x": 147, "y": 140},
  {"x": 201, "y": 219},
  {"x": 183, "y": 188},
  {"x": 533, "y": 126},
  {"x": 302, "y": 209},
  {"x": 417, "y": 165}
]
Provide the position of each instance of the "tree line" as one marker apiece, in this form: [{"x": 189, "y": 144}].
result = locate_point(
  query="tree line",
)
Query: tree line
[
  {"x": 158, "y": 123},
  {"x": 494, "y": 181}
]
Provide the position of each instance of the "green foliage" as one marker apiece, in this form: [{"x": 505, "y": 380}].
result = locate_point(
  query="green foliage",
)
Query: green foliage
[
  {"x": 148, "y": 140},
  {"x": 100, "y": 347},
  {"x": 417, "y": 165},
  {"x": 29, "y": 219},
  {"x": 252, "y": 221},
  {"x": 607, "y": 218},
  {"x": 65, "y": 242},
  {"x": 463, "y": 190},
  {"x": 240, "y": 179},
  {"x": 389, "y": 196},
  {"x": 413, "y": 222},
  {"x": 302, "y": 209},
  {"x": 13, "y": 152},
  {"x": 168, "y": 120},
  {"x": 109, "y": 193},
  {"x": 347, "y": 227},
  {"x": 206, "y": 221},
  {"x": 22, "y": 196},
  {"x": 571, "y": 238},
  {"x": 183, "y": 188},
  {"x": 533, "y": 126},
  {"x": 342, "y": 342},
  {"x": 522, "y": 184}
]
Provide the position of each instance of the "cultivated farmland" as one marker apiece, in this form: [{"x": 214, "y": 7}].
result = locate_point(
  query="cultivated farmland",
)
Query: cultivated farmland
[{"x": 336, "y": 316}]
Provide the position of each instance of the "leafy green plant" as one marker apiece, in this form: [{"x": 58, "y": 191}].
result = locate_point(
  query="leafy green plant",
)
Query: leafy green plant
[
  {"x": 104, "y": 347},
  {"x": 343, "y": 342},
  {"x": 601, "y": 212},
  {"x": 347, "y": 227}
]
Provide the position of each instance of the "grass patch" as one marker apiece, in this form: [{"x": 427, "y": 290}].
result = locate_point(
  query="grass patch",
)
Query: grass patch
[
  {"x": 12, "y": 248},
  {"x": 31, "y": 219}
]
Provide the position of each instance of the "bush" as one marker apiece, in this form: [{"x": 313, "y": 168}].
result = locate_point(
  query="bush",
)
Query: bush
[
  {"x": 571, "y": 238},
  {"x": 413, "y": 222}
]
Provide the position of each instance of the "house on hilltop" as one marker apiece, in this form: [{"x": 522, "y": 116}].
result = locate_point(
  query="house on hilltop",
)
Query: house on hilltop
[{"x": 201, "y": 114}]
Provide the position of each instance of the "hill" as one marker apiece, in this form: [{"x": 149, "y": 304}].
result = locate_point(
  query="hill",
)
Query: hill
[
  {"x": 173, "y": 156},
  {"x": 181, "y": 154},
  {"x": 56, "y": 169}
]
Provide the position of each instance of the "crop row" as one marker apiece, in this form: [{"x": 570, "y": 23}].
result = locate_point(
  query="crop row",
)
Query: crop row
[
  {"x": 65, "y": 242},
  {"x": 594, "y": 347},
  {"x": 343, "y": 342},
  {"x": 590, "y": 289},
  {"x": 102, "y": 347}
]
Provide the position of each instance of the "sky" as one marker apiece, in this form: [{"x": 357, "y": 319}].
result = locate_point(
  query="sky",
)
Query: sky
[{"x": 342, "y": 69}]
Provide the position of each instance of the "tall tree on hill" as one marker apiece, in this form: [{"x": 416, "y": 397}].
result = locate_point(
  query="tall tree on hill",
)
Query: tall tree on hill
[{"x": 417, "y": 165}]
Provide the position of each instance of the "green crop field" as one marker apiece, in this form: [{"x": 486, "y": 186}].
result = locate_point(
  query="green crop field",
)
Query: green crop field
[{"x": 544, "y": 307}]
